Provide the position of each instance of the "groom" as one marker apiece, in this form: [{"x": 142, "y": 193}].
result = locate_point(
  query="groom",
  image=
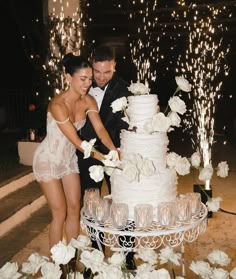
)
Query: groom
[{"x": 106, "y": 88}]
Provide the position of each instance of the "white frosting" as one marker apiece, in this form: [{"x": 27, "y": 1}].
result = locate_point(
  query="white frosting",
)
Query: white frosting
[
  {"x": 151, "y": 189},
  {"x": 141, "y": 109},
  {"x": 149, "y": 146}
]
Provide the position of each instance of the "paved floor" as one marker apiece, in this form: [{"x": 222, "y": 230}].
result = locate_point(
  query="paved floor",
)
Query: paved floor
[{"x": 221, "y": 229}]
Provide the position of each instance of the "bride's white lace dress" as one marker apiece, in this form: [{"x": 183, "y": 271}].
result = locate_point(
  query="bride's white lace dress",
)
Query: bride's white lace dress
[{"x": 56, "y": 155}]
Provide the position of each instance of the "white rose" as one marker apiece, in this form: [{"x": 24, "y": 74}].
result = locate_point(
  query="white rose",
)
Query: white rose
[
  {"x": 119, "y": 104},
  {"x": 131, "y": 171},
  {"x": 93, "y": 260},
  {"x": 147, "y": 255},
  {"x": 177, "y": 105},
  {"x": 111, "y": 272},
  {"x": 96, "y": 172},
  {"x": 51, "y": 271},
  {"x": 171, "y": 159},
  {"x": 37, "y": 261},
  {"x": 9, "y": 271},
  {"x": 148, "y": 127},
  {"x": 213, "y": 204},
  {"x": 160, "y": 122},
  {"x": 117, "y": 258},
  {"x": 147, "y": 168},
  {"x": 81, "y": 242},
  {"x": 87, "y": 147},
  {"x": 168, "y": 254},
  {"x": 206, "y": 173},
  {"x": 111, "y": 162},
  {"x": 222, "y": 169},
  {"x": 218, "y": 257},
  {"x": 233, "y": 273},
  {"x": 161, "y": 273},
  {"x": 201, "y": 268},
  {"x": 143, "y": 270},
  {"x": 195, "y": 159},
  {"x": 220, "y": 273},
  {"x": 62, "y": 254},
  {"x": 182, "y": 166},
  {"x": 174, "y": 118},
  {"x": 138, "y": 88},
  {"x": 183, "y": 84}
]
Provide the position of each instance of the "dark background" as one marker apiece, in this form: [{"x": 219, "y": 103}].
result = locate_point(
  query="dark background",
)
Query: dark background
[{"x": 25, "y": 47}]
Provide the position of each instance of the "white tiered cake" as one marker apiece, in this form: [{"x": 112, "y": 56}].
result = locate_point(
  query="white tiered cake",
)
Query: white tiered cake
[{"x": 144, "y": 177}]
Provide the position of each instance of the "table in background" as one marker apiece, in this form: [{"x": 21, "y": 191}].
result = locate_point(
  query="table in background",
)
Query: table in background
[{"x": 26, "y": 151}]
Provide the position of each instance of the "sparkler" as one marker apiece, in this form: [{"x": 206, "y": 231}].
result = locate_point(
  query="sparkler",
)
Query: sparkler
[
  {"x": 64, "y": 37},
  {"x": 205, "y": 59}
]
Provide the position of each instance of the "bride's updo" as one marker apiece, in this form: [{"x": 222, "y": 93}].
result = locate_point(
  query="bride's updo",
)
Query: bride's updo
[{"x": 73, "y": 63}]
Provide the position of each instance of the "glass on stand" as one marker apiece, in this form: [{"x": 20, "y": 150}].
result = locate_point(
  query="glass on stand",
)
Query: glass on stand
[
  {"x": 101, "y": 210},
  {"x": 119, "y": 214},
  {"x": 91, "y": 196},
  {"x": 143, "y": 215},
  {"x": 166, "y": 213},
  {"x": 183, "y": 210},
  {"x": 195, "y": 202}
]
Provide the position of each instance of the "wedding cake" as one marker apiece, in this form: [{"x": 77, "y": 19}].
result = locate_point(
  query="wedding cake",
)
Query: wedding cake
[{"x": 143, "y": 177}]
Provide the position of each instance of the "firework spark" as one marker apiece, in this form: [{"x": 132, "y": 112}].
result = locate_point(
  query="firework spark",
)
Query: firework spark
[{"x": 205, "y": 59}]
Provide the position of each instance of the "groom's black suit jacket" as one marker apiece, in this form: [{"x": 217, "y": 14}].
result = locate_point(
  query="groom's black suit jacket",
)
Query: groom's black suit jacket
[{"x": 116, "y": 89}]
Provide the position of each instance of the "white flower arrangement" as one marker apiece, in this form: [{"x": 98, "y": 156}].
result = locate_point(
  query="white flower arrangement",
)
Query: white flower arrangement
[
  {"x": 182, "y": 165},
  {"x": 76, "y": 258},
  {"x": 160, "y": 122}
]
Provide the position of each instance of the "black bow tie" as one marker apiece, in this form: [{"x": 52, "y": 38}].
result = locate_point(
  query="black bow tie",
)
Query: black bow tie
[{"x": 94, "y": 85}]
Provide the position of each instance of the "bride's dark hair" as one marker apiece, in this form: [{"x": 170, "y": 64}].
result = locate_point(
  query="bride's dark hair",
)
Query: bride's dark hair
[{"x": 72, "y": 63}]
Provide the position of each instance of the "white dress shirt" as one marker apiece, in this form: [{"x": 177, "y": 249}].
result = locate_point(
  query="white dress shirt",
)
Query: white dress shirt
[{"x": 98, "y": 94}]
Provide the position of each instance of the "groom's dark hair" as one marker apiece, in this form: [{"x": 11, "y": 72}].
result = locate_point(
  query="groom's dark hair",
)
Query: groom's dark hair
[{"x": 103, "y": 53}]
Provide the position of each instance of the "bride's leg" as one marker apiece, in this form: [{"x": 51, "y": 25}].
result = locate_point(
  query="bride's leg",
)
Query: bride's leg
[
  {"x": 71, "y": 185},
  {"x": 55, "y": 196}
]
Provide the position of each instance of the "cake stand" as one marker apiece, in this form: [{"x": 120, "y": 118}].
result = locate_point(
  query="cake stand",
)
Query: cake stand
[{"x": 129, "y": 238}]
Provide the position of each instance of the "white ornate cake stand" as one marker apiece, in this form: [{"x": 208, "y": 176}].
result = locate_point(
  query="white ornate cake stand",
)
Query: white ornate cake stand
[{"x": 129, "y": 238}]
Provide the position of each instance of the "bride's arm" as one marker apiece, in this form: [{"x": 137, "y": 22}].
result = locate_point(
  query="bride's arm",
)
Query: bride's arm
[{"x": 98, "y": 126}]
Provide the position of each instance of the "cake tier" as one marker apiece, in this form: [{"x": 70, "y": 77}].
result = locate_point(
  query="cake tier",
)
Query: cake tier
[
  {"x": 150, "y": 189},
  {"x": 141, "y": 109},
  {"x": 149, "y": 146}
]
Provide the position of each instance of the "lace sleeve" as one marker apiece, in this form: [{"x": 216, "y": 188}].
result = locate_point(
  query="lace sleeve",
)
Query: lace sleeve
[
  {"x": 62, "y": 122},
  {"x": 91, "y": 110}
]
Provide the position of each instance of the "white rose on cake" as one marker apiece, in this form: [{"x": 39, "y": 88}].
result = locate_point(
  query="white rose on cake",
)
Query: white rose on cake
[
  {"x": 177, "y": 105},
  {"x": 183, "y": 84},
  {"x": 119, "y": 104},
  {"x": 138, "y": 89},
  {"x": 174, "y": 118},
  {"x": 147, "y": 168},
  {"x": 182, "y": 166},
  {"x": 160, "y": 123},
  {"x": 131, "y": 171}
]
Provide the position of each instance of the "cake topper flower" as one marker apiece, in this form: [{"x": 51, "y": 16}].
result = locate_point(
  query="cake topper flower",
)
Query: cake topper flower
[{"x": 138, "y": 88}]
